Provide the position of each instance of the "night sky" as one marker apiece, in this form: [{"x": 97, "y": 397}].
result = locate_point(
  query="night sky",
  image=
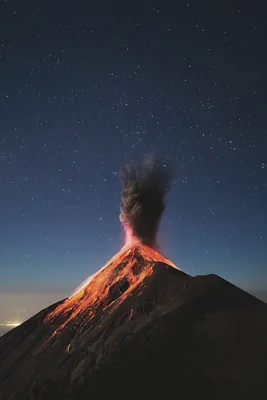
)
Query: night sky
[{"x": 87, "y": 87}]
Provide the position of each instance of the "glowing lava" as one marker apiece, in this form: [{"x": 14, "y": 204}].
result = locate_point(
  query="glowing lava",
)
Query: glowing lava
[
  {"x": 130, "y": 239},
  {"x": 123, "y": 274}
]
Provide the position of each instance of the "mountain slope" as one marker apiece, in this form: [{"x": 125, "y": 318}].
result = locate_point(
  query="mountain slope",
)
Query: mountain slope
[{"x": 143, "y": 329}]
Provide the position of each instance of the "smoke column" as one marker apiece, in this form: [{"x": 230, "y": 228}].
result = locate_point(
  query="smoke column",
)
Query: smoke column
[{"x": 144, "y": 187}]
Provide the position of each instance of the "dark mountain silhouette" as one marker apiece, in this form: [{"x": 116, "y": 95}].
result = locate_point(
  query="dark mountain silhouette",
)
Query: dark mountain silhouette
[{"x": 141, "y": 329}]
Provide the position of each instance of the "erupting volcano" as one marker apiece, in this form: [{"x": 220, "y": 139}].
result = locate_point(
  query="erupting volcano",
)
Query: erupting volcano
[
  {"x": 140, "y": 327},
  {"x": 142, "y": 203}
]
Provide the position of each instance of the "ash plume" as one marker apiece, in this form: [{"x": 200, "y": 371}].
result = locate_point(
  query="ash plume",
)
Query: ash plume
[{"x": 144, "y": 187}]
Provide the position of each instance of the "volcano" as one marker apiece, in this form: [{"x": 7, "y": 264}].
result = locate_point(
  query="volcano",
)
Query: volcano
[{"x": 141, "y": 328}]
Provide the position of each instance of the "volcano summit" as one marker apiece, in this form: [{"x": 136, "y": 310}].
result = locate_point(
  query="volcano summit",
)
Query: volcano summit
[{"x": 140, "y": 328}]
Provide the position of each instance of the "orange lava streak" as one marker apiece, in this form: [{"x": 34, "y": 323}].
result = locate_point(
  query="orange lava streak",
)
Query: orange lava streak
[{"x": 93, "y": 296}]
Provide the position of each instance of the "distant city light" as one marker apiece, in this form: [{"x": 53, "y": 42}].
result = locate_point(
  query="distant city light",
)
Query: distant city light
[{"x": 11, "y": 324}]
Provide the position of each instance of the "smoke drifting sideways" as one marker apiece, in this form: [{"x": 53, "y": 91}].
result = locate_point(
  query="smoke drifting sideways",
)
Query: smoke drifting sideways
[{"x": 144, "y": 188}]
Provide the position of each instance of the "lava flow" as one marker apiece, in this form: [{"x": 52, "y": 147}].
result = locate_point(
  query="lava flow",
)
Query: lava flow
[{"x": 123, "y": 273}]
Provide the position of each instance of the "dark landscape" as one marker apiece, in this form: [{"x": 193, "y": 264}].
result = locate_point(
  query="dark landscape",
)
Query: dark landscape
[{"x": 155, "y": 332}]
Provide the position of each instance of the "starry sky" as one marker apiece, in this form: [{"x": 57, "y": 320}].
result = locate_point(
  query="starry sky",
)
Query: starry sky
[{"x": 87, "y": 87}]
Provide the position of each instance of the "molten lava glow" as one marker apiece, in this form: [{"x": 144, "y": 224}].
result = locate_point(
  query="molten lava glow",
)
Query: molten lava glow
[
  {"x": 130, "y": 239},
  {"x": 128, "y": 268}
]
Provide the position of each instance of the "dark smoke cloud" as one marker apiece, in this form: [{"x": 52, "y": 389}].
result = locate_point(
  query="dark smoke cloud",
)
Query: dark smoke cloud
[{"x": 144, "y": 187}]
